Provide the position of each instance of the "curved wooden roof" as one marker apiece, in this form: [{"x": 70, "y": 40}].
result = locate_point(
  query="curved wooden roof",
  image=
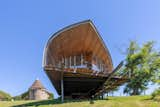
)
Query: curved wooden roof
[{"x": 81, "y": 37}]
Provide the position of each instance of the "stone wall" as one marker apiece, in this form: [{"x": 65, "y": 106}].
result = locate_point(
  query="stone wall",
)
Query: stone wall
[{"x": 38, "y": 94}]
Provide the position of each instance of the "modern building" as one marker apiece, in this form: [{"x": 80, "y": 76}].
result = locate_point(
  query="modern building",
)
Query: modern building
[
  {"x": 77, "y": 61},
  {"x": 38, "y": 92}
]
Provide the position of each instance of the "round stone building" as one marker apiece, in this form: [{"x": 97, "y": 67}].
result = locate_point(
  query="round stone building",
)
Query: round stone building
[{"x": 38, "y": 92}]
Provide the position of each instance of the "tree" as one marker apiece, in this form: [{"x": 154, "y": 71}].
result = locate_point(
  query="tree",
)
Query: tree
[{"x": 142, "y": 64}]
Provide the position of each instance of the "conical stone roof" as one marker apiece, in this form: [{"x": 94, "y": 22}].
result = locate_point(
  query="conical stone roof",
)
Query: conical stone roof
[{"x": 37, "y": 85}]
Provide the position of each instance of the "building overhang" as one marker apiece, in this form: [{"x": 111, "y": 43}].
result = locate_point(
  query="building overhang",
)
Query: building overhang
[{"x": 81, "y": 37}]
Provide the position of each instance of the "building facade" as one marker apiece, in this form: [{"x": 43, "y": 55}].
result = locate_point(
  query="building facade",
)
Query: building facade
[
  {"x": 77, "y": 61},
  {"x": 38, "y": 92}
]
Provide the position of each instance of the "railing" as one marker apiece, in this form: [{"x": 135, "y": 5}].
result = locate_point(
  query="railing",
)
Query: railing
[
  {"x": 114, "y": 80},
  {"x": 78, "y": 69}
]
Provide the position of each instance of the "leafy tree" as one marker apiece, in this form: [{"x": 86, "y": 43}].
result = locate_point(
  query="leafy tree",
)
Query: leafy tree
[{"x": 142, "y": 64}]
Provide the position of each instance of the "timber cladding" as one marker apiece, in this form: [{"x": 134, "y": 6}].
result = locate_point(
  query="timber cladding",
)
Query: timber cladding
[{"x": 80, "y": 53}]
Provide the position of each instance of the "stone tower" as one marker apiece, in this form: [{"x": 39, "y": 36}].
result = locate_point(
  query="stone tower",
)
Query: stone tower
[{"x": 38, "y": 92}]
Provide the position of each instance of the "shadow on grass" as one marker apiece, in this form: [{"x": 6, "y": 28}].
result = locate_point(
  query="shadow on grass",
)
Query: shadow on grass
[
  {"x": 51, "y": 102},
  {"x": 149, "y": 99},
  {"x": 37, "y": 103}
]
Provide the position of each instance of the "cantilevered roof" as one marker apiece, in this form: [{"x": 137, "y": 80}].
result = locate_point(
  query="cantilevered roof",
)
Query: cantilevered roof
[{"x": 81, "y": 37}]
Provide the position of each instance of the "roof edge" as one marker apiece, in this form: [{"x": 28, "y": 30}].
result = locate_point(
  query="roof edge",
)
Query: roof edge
[{"x": 54, "y": 35}]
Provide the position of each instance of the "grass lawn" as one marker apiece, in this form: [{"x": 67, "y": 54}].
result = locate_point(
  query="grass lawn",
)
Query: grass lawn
[{"x": 131, "y": 101}]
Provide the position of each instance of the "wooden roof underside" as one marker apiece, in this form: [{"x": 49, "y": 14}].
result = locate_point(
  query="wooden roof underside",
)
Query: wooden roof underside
[{"x": 78, "y": 38}]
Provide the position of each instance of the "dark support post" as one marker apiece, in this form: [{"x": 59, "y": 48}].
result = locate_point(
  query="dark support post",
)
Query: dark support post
[
  {"x": 102, "y": 95},
  {"x": 107, "y": 96},
  {"x": 62, "y": 88}
]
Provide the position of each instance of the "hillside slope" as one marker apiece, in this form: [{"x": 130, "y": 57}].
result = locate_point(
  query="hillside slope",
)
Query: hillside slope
[
  {"x": 4, "y": 96},
  {"x": 131, "y": 101}
]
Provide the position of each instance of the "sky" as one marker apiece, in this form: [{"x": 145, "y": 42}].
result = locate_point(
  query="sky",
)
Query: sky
[{"x": 26, "y": 25}]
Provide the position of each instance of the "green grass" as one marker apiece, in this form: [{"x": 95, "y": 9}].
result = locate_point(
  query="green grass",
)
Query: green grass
[{"x": 131, "y": 101}]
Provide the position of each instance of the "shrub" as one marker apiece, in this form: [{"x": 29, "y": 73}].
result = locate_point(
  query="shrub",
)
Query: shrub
[
  {"x": 23, "y": 96},
  {"x": 51, "y": 96},
  {"x": 156, "y": 95}
]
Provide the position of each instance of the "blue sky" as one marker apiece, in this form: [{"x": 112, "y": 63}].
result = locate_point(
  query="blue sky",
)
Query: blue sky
[{"x": 26, "y": 25}]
